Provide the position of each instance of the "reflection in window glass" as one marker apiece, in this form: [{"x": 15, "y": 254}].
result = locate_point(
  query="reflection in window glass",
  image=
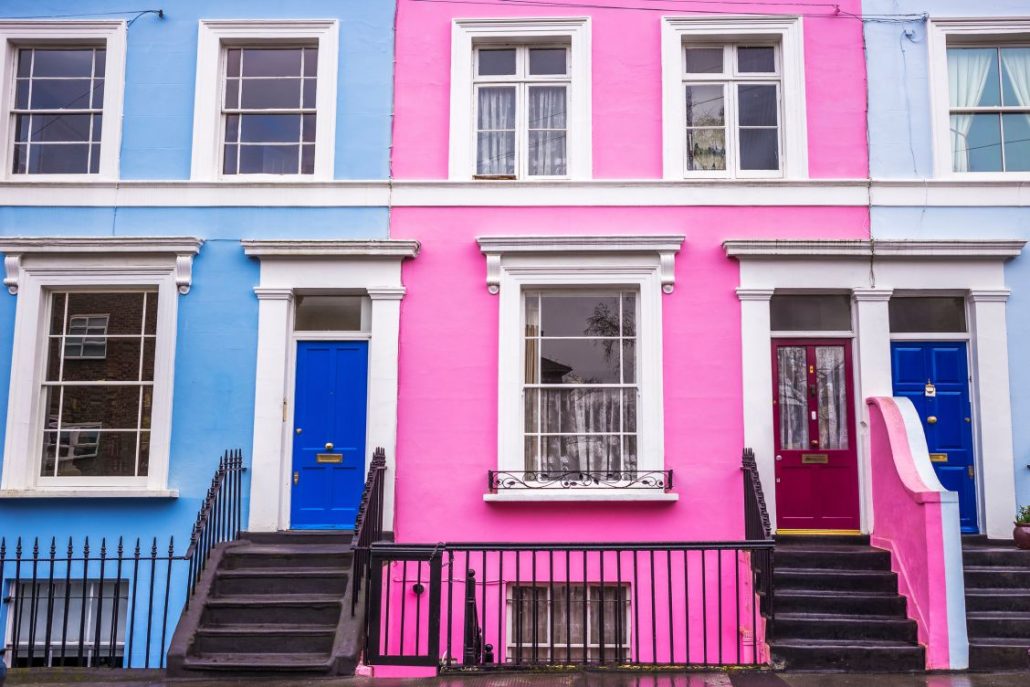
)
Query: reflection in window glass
[
  {"x": 268, "y": 109},
  {"x": 58, "y": 110},
  {"x": 810, "y": 313},
  {"x": 328, "y": 313},
  {"x": 99, "y": 385},
  {"x": 928, "y": 314},
  {"x": 546, "y": 619},
  {"x": 580, "y": 381}
]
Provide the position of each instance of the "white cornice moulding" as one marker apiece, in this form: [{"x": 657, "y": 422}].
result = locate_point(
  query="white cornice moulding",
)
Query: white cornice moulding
[
  {"x": 972, "y": 249},
  {"x": 872, "y": 295},
  {"x": 182, "y": 247},
  {"x": 664, "y": 246},
  {"x": 398, "y": 249},
  {"x": 989, "y": 295}
]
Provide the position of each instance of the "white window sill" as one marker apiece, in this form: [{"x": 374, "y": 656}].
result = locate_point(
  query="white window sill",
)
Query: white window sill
[
  {"x": 89, "y": 493},
  {"x": 537, "y": 495}
]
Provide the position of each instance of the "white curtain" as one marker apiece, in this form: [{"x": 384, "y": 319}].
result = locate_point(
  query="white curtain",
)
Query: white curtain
[
  {"x": 792, "y": 397},
  {"x": 580, "y": 412},
  {"x": 547, "y": 125},
  {"x": 832, "y": 395},
  {"x": 495, "y": 149},
  {"x": 1016, "y": 63},
  {"x": 967, "y": 77}
]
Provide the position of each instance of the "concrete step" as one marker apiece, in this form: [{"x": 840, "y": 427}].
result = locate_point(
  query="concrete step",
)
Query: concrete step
[
  {"x": 849, "y": 655},
  {"x": 317, "y": 580},
  {"x": 821, "y": 539},
  {"x": 990, "y": 624},
  {"x": 854, "y": 603},
  {"x": 248, "y": 555},
  {"x": 992, "y": 599},
  {"x": 302, "y": 537},
  {"x": 999, "y": 653},
  {"x": 840, "y": 580},
  {"x": 299, "y": 609},
  {"x": 260, "y": 663},
  {"x": 832, "y": 626},
  {"x": 995, "y": 555},
  {"x": 834, "y": 557},
  {"x": 276, "y": 639},
  {"x": 997, "y": 576}
]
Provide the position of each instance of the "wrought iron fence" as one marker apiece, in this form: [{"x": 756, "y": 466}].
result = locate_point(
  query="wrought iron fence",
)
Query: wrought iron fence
[
  {"x": 480, "y": 606},
  {"x": 757, "y": 526},
  {"x": 368, "y": 526},
  {"x": 114, "y": 605}
]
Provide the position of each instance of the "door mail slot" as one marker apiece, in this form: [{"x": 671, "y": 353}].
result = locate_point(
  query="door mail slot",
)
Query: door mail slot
[
  {"x": 938, "y": 457},
  {"x": 328, "y": 457},
  {"x": 815, "y": 458}
]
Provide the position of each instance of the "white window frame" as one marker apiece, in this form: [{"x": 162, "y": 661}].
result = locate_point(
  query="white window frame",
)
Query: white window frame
[
  {"x": 214, "y": 37},
  {"x": 516, "y": 264},
  {"x": 110, "y": 34},
  {"x": 469, "y": 34},
  {"x": 965, "y": 33},
  {"x": 34, "y": 268},
  {"x": 786, "y": 34}
]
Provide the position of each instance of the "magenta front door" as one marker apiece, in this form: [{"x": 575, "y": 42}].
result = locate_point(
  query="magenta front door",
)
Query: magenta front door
[{"x": 816, "y": 460}]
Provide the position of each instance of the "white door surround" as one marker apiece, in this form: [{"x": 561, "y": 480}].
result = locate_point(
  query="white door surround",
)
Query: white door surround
[
  {"x": 288, "y": 266},
  {"x": 872, "y": 271}
]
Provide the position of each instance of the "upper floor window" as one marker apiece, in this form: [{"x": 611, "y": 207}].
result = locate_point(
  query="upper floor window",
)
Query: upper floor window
[
  {"x": 63, "y": 99},
  {"x": 268, "y": 110},
  {"x": 58, "y": 110},
  {"x": 989, "y": 108},
  {"x": 732, "y": 100},
  {"x": 520, "y": 99},
  {"x": 521, "y": 118},
  {"x": 733, "y": 94},
  {"x": 266, "y": 100}
]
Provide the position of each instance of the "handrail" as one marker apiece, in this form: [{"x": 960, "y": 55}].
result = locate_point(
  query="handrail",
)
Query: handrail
[
  {"x": 368, "y": 525},
  {"x": 756, "y": 514},
  {"x": 219, "y": 517}
]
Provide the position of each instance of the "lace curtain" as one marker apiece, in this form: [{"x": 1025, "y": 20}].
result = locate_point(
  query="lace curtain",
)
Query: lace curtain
[
  {"x": 495, "y": 148},
  {"x": 547, "y": 131}
]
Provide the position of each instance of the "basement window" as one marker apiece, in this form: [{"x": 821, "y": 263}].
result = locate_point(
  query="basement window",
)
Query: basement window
[{"x": 572, "y": 620}]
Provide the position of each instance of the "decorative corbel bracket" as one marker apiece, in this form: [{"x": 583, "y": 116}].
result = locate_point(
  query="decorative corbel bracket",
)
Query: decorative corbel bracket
[
  {"x": 493, "y": 273},
  {"x": 12, "y": 272},
  {"x": 184, "y": 272}
]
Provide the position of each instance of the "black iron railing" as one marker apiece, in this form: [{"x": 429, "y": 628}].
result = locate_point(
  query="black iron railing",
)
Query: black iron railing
[
  {"x": 88, "y": 606},
  {"x": 494, "y": 605},
  {"x": 114, "y": 605},
  {"x": 502, "y": 480},
  {"x": 219, "y": 517},
  {"x": 758, "y": 527},
  {"x": 368, "y": 526}
]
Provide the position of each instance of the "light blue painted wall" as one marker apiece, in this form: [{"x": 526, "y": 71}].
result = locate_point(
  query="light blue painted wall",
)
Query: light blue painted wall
[
  {"x": 900, "y": 142},
  {"x": 217, "y": 323},
  {"x": 161, "y": 68}
]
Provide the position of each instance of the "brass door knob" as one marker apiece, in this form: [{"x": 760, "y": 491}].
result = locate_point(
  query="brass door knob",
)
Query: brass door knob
[
  {"x": 296, "y": 477},
  {"x": 328, "y": 446},
  {"x": 931, "y": 420}
]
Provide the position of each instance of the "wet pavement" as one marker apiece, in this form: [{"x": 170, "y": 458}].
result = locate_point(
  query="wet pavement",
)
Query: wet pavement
[{"x": 133, "y": 678}]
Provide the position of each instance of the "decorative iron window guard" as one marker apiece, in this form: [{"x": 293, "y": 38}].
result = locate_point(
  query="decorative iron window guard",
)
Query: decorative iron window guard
[{"x": 659, "y": 480}]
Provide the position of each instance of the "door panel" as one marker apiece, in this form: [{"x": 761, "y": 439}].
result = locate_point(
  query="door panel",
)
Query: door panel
[
  {"x": 946, "y": 416},
  {"x": 329, "y": 434},
  {"x": 816, "y": 462}
]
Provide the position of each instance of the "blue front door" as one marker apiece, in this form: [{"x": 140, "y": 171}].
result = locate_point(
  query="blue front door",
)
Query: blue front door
[
  {"x": 329, "y": 434},
  {"x": 935, "y": 376}
]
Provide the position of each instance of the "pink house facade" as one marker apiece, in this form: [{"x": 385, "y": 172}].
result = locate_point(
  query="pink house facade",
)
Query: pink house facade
[{"x": 644, "y": 246}]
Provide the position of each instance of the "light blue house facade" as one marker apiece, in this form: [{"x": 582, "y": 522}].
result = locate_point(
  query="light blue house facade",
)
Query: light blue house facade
[
  {"x": 949, "y": 131},
  {"x": 166, "y": 178}
]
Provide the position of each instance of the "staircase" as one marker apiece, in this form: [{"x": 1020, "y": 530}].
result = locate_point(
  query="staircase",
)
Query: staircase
[
  {"x": 837, "y": 608},
  {"x": 271, "y": 602},
  {"x": 997, "y": 604}
]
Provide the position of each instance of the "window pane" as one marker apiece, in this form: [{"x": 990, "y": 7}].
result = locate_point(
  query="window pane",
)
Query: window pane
[
  {"x": 229, "y": 161},
  {"x": 575, "y": 315},
  {"x": 24, "y": 63},
  {"x": 580, "y": 361},
  {"x": 973, "y": 77},
  {"x": 792, "y": 397},
  {"x": 703, "y": 60},
  {"x": 269, "y": 159},
  {"x": 496, "y": 140},
  {"x": 928, "y": 314},
  {"x": 547, "y": 61},
  {"x": 1015, "y": 65},
  {"x": 21, "y": 93},
  {"x": 577, "y": 411},
  {"x": 496, "y": 62},
  {"x": 1017, "y": 142},
  {"x": 706, "y": 149},
  {"x": 85, "y": 453},
  {"x": 270, "y": 93},
  {"x": 833, "y": 397},
  {"x": 817, "y": 313},
  {"x": 124, "y": 310},
  {"x": 59, "y": 158},
  {"x": 271, "y": 62},
  {"x": 232, "y": 62},
  {"x": 496, "y": 108},
  {"x": 100, "y": 359},
  {"x": 547, "y": 153},
  {"x": 70, "y": 128},
  {"x": 270, "y": 128},
  {"x": 759, "y": 149},
  {"x": 705, "y": 106},
  {"x": 547, "y": 107},
  {"x": 977, "y": 142},
  {"x": 60, "y": 94},
  {"x": 310, "y": 61},
  {"x": 106, "y": 407},
  {"x": 757, "y": 105},
  {"x": 496, "y": 153},
  {"x": 328, "y": 313},
  {"x": 568, "y": 453},
  {"x": 310, "y": 88},
  {"x": 98, "y": 94},
  {"x": 63, "y": 63},
  {"x": 307, "y": 159},
  {"x": 756, "y": 60}
]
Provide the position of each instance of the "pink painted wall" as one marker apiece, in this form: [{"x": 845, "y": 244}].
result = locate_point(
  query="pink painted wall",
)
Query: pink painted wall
[
  {"x": 626, "y": 66},
  {"x": 447, "y": 437}
]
